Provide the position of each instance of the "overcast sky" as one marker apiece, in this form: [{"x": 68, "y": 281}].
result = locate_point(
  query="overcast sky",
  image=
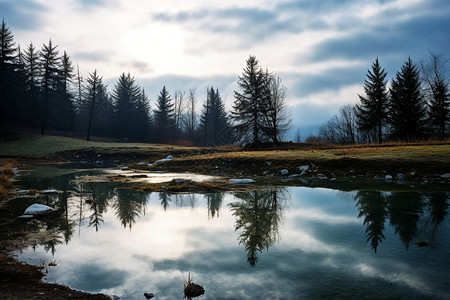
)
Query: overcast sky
[{"x": 320, "y": 49}]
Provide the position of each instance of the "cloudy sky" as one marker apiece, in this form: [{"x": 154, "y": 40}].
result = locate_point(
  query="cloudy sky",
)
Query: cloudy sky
[{"x": 321, "y": 49}]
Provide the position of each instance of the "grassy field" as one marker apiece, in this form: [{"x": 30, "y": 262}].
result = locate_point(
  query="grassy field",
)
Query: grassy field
[
  {"x": 427, "y": 158},
  {"x": 42, "y": 145}
]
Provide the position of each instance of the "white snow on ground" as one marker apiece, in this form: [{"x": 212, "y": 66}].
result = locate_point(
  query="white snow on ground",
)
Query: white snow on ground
[
  {"x": 37, "y": 208},
  {"x": 242, "y": 181}
]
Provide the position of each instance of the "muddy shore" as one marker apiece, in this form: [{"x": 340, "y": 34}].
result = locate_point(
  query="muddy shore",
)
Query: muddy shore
[{"x": 19, "y": 280}]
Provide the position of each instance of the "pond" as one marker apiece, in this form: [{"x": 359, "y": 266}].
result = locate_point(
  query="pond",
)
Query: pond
[{"x": 269, "y": 243}]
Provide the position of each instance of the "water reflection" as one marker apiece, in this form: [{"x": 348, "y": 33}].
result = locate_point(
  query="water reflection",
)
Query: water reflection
[
  {"x": 258, "y": 216},
  {"x": 405, "y": 212},
  {"x": 330, "y": 247}
]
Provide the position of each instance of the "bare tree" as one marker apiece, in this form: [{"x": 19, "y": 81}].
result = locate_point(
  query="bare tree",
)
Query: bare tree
[
  {"x": 435, "y": 75},
  {"x": 178, "y": 107},
  {"x": 278, "y": 118}
]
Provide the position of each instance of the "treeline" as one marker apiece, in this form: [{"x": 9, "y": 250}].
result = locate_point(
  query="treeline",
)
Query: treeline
[
  {"x": 415, "y": 105},
  {"x": 43, "y": 90}
]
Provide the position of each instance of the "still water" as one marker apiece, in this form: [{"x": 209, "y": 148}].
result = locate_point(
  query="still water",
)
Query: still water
[{"x": 271, "y": 243}]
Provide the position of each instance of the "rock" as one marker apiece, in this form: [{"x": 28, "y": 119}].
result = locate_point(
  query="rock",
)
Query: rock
[
  {"x": 241, "y": 181},
  {"x": 149, "y": 295},
  {"x": 265, "y": 173},
  {"x": 169, "y": 157},
  {"x": 37, "y": 209},
  {"x": 23, "y": 192},
  {"x": 125, "y": 168},
  {"x": 388, "y": 177},
  {"x": 141, "y": 163},
  {"x": 50, "y": 192},
  {"x": 445, "y": 176},
  {"x": 412, "y": 174},
  {"x": 268, "y": 163},
  {"x": 303, "y": 169},
  {"x": 294, "y": 175},
  {"x": 284, "y": 172}
]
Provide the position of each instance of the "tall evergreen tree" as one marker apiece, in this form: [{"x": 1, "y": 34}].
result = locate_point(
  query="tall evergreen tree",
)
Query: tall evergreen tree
[
  {"x": 437, "y": 81},
  {"x": 31, "y": 57},
  {"x": 215, "y": 127},
  {"x": 142, "y": 120},
  {"x": 164, "y": 122},
  {"x": 372, "y": 112},
  {"x": 407, "y": 110},
  {"x": 50, "y": 68},
  {"x": 64, "y": 107},
  {"x": 125, "y": 95},
  {"x": 94, "y": 82},
  {"x": 7, "y": 55},
  {"x": 251, "y": 104}
]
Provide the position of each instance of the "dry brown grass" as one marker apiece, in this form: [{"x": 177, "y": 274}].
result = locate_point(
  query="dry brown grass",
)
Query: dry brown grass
[{"x": 175, "y": 186}]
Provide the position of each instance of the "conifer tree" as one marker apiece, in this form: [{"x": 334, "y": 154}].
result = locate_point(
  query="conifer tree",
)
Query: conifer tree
[
  {"x": 371, "y": 113},
  {"x": 7, "y": 55},
  {"x": 31, "y": 57},
  {"x": 125, "y": 96},
  {"x": 94, "y": 82},
  {"x": 251, "y": 104},
  {"x": 164, "y": 117},
  {"x": 215, "y": 127},
  {"x": 50, "y": 68},
  {"x": 407, "y": 110}
]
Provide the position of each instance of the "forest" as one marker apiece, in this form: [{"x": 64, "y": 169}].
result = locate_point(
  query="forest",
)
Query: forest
[
  {"x": 414, "y": 106},
  {"x": 41, "y": 90}
]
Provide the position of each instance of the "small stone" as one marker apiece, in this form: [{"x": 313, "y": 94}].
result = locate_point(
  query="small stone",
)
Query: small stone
[
  {"x": 268, "y": 163},
  {"x": 445, "y": 176},
  {"x": 388, "y": 177},
  {"x": 149, "y": 295},
  {"x": 284, "y": 172}
]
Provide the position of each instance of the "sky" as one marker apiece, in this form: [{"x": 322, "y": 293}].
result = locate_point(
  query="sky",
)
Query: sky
[{"x": 320, "y": 49}]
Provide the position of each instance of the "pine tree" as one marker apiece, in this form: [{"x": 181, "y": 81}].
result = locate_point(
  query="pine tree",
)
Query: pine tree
[
  {"x": 251, "y": 104},
  {"x": 63, "y": 110},
  {"x": 94, "y": 82},
  {"x": 31, "y": 58},
  {"x": 164, "y": 117},
  {"x": 50, "y": 68},
  {"x": 407, "y": 110},
  {"x": 372, "y": 112},
  {"x": 142, "y": 120},
  {"x": 125, "y": 96},
  {"x": 7, "y": 51},
  {"x": 215, "y": 127}
]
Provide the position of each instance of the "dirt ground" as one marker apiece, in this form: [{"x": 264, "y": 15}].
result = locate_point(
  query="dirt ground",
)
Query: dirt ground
[{"x": 19, "y": 280}]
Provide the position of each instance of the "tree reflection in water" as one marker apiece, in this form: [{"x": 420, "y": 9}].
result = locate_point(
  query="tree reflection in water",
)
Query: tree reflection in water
[
  {"x": 414, "y": 216},
  {"x": 258, "y": 215},
  {"x": 129, "y": 205}
]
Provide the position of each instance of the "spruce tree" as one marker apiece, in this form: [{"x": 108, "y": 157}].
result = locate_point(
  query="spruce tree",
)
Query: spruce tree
[
  {"x": 94, "y": 82},
  {"x": 31, "y": 57},
  {"x": 215, "y": 127},
  {"x": 7, "y": 56},
  {"x": 125, "y": 95},
  {"x": 164, "y": 122},
  {"x": 372, "y": 112},
  {"x": 407, "y": 110},
  {"x": 50, "y": 68},
  {"x": 251, "y": 104}
]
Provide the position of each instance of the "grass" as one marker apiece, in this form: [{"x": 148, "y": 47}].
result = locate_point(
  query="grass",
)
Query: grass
[
  {"x": 6, "y": 176},
  {"x": 43, "y": 145}
]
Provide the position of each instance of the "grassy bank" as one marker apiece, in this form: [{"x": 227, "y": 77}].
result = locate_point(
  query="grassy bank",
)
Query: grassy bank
[{"x": 423, "y": 159}]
